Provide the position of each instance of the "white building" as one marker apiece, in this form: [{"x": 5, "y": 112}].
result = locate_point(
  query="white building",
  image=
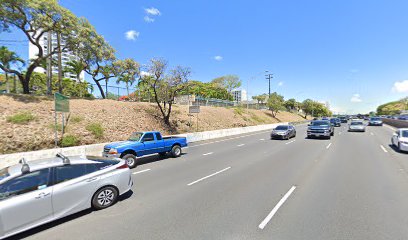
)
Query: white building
[
  {"x": 66, "y": 57},
  {"x": 239, "y": 95}
]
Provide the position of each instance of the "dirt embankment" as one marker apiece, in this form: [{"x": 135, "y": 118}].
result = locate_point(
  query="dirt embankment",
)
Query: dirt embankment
[{"x": 116, "y": 119}]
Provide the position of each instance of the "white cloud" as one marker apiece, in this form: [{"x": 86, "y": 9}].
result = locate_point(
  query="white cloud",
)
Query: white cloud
[
  {"x": 148, "y": 19},
  {"x": 132, "y": 35},
  {"x": 400, "y": 87},
  {"x": 280, "y": 84},
  {"x": 152, "y": 11},
  {"x": 218, "y": 58},
  {"x": 356, "y": 98},
  {"x": 144, "y": 73}
]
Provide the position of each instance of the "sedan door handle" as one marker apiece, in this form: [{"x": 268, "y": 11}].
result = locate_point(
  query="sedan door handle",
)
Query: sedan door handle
[
  {"x": 42, "y": 195},
  {"x": 92, "y": 179}
]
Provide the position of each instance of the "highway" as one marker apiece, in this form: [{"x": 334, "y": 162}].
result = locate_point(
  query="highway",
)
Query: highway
[{"x": 354, "y": 186}]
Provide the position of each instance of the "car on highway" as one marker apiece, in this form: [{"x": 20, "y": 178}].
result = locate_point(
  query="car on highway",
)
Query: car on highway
[
  {"x": 375, "y": 121},
  {"x": 343, "y": 119},
  {"x": 40, "y": 191},
  {"x": 320, "y": 128},
  {"x": 335, "y": 122},
  {"x": 141, "y": 144},
  {"x": 400, "y": 139},
  {"x": 357, "y": 126},
  {"x": 283, "y": 132}
]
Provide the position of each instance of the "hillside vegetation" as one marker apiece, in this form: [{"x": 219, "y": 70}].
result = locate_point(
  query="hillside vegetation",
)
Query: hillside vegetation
[
  {"x": 27, "y": 122},
  {"x": 392, "y": 108}
]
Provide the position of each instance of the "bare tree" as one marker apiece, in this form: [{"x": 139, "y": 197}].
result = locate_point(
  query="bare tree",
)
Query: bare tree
[{"x": 166, "y": 86}]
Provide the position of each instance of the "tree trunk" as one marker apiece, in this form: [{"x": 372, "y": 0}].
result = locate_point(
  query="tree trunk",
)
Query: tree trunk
[
  {"x": 106, "y": 88},
  {"x": 127, "y": 88},
  {"x": 14, "y": 84},
  {"x": 25, "y": 82},
  {"x": 100, "y": 89},
  {"x": 7, "y": 83}
]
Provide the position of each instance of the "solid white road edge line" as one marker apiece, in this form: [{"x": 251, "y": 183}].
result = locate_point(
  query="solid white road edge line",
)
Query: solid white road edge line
[
  {"x": 276, "y": 208},
  {"x": 372, "y": 134},
  {"x": 201, "y": 179},
  {"x": 205, "y": 154},
  {"x": 328, "y": 145},
  {"x": 383, "y": 148},
  {"x": 240, "y": 145},
  {"x": 262, "y": 139},
  {"x": 146, "y": 170}
]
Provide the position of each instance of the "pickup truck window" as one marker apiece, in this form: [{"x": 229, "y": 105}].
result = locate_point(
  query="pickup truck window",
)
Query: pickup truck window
[
  {"x": 320, "y": 123},
  {"x": 135, "y": 136},
  {"x": 148, "y": 137},
  {"x": 158, "y": 136}
]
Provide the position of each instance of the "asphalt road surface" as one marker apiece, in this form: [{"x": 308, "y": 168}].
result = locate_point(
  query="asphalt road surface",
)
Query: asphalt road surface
[{"x": 354, "y": 186}]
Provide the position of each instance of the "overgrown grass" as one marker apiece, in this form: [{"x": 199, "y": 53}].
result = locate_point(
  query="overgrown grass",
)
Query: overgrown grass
[
  {"x": 239, "y": 111},
  {"x": 57, "y": 127},
  {"x": 21, "y": 118},
  {"x": 96, "y": 129},
  {"x": 69, "y": 141},
  {"x": 256, "y": 118},
  {"x": 76, "y": 119}
]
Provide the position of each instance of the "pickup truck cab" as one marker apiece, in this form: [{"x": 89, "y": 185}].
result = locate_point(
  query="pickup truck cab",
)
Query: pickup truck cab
[
  {"x": 320, "y": 128},
  {"x": 144, "y": 143}
]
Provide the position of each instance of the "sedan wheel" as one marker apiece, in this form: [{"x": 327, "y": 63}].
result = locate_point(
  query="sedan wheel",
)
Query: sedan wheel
[{"x": 105, "y": 197}]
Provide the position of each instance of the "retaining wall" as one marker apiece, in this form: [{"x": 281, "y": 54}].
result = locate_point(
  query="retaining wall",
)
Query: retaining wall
[{"x": 96, "y": 149}]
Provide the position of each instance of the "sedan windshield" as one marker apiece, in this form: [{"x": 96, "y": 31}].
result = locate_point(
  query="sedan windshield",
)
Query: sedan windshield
[
  {"x": 136, "y": 136},
  {"x": 403, "y": 134},
  {"x": 281, "y": 128},
  {"x": 4, "y": 173},
  {"x": 375, "y": 119},
  {"x": 320, "y": 123}
]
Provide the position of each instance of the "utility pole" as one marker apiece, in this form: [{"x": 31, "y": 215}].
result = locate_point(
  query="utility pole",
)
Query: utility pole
[
  {"x": 269, "y": 76},
  {"x": 59, "y": 63},
  {"x": 49, "y": 63}
]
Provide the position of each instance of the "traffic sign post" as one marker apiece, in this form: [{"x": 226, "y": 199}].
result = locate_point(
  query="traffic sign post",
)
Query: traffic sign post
[
  {"x": 61, "y": 105},
  {"x": 194, "y": 109}
]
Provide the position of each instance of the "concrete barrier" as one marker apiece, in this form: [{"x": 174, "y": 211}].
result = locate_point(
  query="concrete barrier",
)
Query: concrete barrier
[
  {"x": 96, "y": 149},
  {"x": 396, "y": 123}
]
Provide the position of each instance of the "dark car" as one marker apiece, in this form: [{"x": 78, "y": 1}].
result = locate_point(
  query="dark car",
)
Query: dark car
[
  {"x": 336, "y": 122},
  {"x": 283, "y": 132},
  {"x": 320, "y": 128},
  {"x": 343, "y": 119},
  {"x": 375, "y": 121}
]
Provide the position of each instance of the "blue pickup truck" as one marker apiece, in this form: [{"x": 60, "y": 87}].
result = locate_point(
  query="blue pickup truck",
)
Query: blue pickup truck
[{"x": 144, "y": 143}]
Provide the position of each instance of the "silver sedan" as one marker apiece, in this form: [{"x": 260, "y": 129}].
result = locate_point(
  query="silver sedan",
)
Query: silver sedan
[
  {"x": 41, "y": 191},
  {"x": 357, "y": 126}
]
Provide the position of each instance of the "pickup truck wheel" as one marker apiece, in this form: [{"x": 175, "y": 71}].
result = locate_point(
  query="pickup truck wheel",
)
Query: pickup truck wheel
[
  {"x": 176, "y": 151},
  {"x": 130, "y": 160},
  {"x": 332, "y": 133}
]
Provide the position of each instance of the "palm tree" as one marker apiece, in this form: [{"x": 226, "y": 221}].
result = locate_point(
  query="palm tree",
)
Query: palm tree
[
  {"x": 75, "y": 67},
  {"x": 128, "y": 79},
  {"x": 7, "y": 58}
]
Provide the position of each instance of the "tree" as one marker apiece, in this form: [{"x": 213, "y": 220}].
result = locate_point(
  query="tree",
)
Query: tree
[
  {"x": 308, "y": 107},
  {"x": 207, "y": 90},
  {"x": 166, "y": 86},
  {"x": 260, "y": 98},
  {"x": 275, "y": 103},
  {"x": 96, "y": 54},
  {"x": 127, "y": 71},
  {"x": 229, "y": 82},
  {"x": 7, "y": 58},
  {"x": 290, "y": 104},
  {"x": 35, "y": 18},
  {"x": 75, "y": 67}
]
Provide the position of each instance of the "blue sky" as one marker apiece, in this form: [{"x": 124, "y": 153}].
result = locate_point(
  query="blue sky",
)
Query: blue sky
[{"x": 352, "y": 54}]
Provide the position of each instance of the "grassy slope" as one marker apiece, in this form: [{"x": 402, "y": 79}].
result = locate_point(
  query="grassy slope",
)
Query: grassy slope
[{"x": 117, "y": 119}]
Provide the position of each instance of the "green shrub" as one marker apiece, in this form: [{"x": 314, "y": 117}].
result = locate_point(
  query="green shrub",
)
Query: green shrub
[
  {"x": 96, "y": 129},
  {"x": 21, "y": 118},
  {"x": 76, "y": 119},
  {"x": 69, "y": 141}
]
